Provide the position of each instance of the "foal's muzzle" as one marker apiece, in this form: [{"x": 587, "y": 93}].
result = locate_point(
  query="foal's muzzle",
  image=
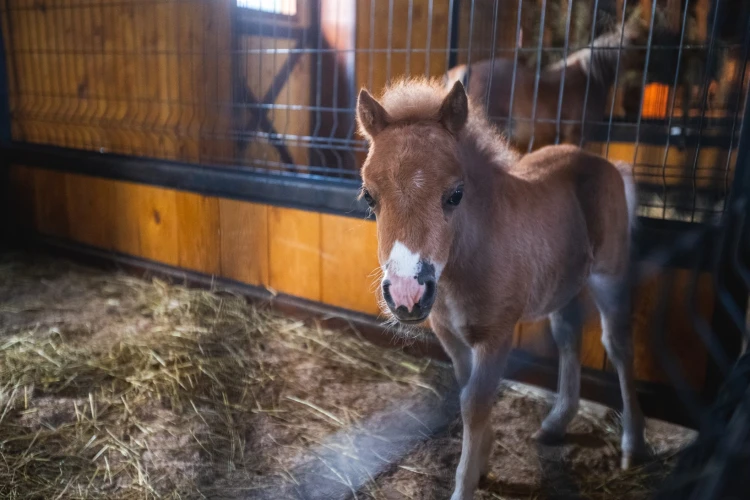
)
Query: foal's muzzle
[{"x": 410, "y": 299}]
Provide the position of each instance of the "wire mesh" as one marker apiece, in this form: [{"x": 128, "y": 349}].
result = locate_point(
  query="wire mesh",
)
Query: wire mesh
[{"x": 271, "y": 85}]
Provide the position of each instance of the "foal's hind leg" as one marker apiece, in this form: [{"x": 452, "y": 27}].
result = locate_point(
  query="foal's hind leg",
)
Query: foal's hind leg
[
  {"x": 566, "y": 327},
  {"x": 612, "y": 297}
]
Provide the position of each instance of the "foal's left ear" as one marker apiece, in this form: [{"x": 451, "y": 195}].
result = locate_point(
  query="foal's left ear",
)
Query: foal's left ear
[{"x": 455, "y": 109}]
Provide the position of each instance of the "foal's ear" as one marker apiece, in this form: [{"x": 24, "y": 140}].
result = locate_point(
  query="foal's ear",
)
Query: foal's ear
[
  {"x": 455, "y": 109},
  {"x": 371, "y": 116}
]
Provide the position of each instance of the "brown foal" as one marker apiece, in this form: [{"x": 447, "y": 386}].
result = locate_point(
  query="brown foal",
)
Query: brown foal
[{"x": 473, "y": 238}]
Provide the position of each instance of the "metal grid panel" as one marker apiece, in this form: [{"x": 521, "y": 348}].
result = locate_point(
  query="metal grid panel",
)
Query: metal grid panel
[{"x": 272, "y": 87}]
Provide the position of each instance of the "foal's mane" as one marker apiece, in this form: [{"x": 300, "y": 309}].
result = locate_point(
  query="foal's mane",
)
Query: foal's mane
[{"x": 414, "y": 100}]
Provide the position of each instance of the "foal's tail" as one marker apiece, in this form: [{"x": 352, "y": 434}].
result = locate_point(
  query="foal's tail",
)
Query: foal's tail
[{"x": 631, "y": 196}]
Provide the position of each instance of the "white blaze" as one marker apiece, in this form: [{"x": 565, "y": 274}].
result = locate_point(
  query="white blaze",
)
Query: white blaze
[{"x": 402, "y": 261}]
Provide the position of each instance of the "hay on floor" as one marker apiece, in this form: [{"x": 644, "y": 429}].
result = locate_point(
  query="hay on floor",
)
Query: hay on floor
[{"x": 117, "y": 387}]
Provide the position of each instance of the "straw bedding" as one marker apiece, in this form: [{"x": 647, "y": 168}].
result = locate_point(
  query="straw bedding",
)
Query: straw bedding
[{"x": 118, "y": 387}]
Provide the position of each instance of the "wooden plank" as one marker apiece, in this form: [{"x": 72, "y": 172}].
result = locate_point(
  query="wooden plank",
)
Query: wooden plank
[
  {"x": 158, "y": 225},
  {"x": 91, "y": 210},
  {"x": 126, "y": 230},
  {"x": 350, "y": 272},
  {"x": 683, "y": 341},
  {"x": 51, "y": 203},
  {"x": 198, "y": 232},
  {"x": 535, "y": 338},
  {"x": 148, "y": 216},
  {"x": 294, "y": 252},
  {"x": 22, "y": 199},
  {"x": 244, "y": 241}
]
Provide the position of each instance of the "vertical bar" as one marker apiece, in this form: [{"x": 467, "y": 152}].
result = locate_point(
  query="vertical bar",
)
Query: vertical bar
[
  {"x": 409, "y": 20},
  {"x": 671, "y": 110},
  {"x": 588, "y": 75},
  {"x": 5, "y": 135},
  {"x": 468, "y": 54},
  {"x": 564, "y": 68},
  {"x": 704, "y": 101},
  {"x": 509, "y": 125},
  {"x": 643, "y": 81},
  {"x": 428, "y": 43},
  {"x": 617, "y": 78},
  {"x": 492, "y": 58},
  {"x": 538, "y": 74},
  {"x": 371, "y": 55},
  {"x": 390, "y": 44},
  {"x": 453, "y": 25}
]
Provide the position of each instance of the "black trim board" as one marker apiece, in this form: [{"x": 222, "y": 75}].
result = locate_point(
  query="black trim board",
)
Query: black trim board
[
  {"x": 658, "y": 400},
  {"x": 326, "y": 195}
]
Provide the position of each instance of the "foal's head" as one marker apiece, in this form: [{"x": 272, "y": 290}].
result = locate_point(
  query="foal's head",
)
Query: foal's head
[{"x": 414, "y": 183}]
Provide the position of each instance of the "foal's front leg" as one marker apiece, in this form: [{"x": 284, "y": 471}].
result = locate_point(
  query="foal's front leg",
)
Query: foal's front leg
[{"x": 477, "y": 398}]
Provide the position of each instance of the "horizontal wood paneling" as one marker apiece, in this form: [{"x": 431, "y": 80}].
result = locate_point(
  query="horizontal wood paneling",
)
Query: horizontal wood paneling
[{"x": 316, "y": 256}]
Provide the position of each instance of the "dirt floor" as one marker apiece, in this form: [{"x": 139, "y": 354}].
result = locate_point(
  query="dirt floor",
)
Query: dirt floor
[{"x": 117, "y": 387}]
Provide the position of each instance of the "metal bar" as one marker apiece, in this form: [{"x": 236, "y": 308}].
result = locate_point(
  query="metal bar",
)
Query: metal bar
[
  {"x": 6, "y": 223},
  {"x": 492, "y": 57},
  {"x": 564, "y": 67},
  {"x": 453, "y": 26},
  {"x": 538, "y": 73},
  {"x": 509, "y": 125},
  {"x": 643, "y": 82},
  {"x": 5, "y": 126},
  {"x": 706, "y": 80},
  {"x": 467, "y": 78},
  {"x": 671, "y": 106},
  {"x": 588, "y": 74},
  {"x": 617, "y": 76}
]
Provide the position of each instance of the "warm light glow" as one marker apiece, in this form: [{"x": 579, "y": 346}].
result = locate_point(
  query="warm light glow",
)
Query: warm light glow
[
  {"x": 655, "y": 99},
  {"x": 285, "y": 7}
]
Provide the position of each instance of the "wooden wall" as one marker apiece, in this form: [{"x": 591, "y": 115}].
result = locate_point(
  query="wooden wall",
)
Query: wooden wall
[
  {"x": 316, "y": 256},
  {"x": 133, "y": 78}
]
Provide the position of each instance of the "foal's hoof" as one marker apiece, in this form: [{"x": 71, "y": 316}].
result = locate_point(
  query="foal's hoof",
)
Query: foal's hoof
[{"x": 548, "y": 437}]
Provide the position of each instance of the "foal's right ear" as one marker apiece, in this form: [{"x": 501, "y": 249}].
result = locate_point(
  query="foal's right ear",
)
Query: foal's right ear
[{"x": 371, "y": 116}]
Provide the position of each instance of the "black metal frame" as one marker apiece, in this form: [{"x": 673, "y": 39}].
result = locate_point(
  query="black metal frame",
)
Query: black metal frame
[{"x": 5, "y": 139}]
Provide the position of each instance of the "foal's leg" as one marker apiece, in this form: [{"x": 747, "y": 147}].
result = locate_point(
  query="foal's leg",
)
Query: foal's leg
[
  {"x": 612, "y": 297},
  {"x": 477, "y": 398},
  {"x": 566, "y": 325},
  {"x": 458, "y": 350}
]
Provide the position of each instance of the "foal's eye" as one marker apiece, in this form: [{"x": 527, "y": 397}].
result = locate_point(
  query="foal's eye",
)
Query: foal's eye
[
  {"x": 455, "y": 198},
  {"x": 368, "y": 198}
]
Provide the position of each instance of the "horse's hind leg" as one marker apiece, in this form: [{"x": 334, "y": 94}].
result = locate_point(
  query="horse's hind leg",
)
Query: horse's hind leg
[
  {"x": 566, "y": 327},
  {"x": 612, "y": 297}
]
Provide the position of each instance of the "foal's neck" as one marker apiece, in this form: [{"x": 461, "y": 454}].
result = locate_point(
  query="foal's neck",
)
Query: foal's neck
[{"x": 486, "y": 159}]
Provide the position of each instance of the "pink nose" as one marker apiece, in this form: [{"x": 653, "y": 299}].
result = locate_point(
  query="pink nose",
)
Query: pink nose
[{"x": 405, "y": 292}]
